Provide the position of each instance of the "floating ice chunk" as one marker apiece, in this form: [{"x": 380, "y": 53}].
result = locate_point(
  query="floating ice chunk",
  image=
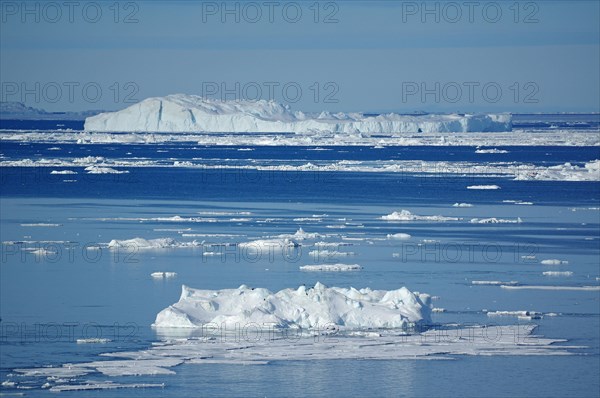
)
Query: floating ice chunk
[
  {"x": 41, "y": 224},
  {"x": 268, "y": 245},
  {"x": 483, "y": 187},
  {"x": 438, "y": 310},
  {"x": 491, "y": 150},
  {"x": 495, "y": 283},
  {"x": 94, "y": 340},
  {"x": 161, "y": 275},
  {"x": 572, "y": 288},
  {"x": 331, "y": 244},
  {"x": 104, "y": 170},
  {"x": 514, "y": 313},
  {"x": 517, "y": 202},
  {"x": 328, "y": 254},
  {"x": 141, "y": 243},
  {"x": 331, "y": 267},
  {"x": 405, "y": 215},
  {"x": 300, "y": 235},
  {"x": 306, "y": 308},
  {"x": 398, "y": 236},
  {"x": 103, "y": 386},
  {"x": 462, "y": 205},
  {"x": 557, "y": 273},
  {"x": 494, "y": 220},
  {"x": 554, "y": 261},
  {"x": 8, "y": 383},
  {"x": 63, "y": 172}
]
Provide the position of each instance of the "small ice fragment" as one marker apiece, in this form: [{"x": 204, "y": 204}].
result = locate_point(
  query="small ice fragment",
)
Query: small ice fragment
[{"x": 160, "y": 275}]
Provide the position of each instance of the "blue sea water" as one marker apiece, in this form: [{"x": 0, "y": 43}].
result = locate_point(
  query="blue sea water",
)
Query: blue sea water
[{"x": 48, "y": 301}]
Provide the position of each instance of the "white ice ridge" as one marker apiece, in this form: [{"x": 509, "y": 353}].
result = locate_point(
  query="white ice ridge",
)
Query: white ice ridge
[
  {"x": 406, "y": 215},
  {"x": 305, "y": 308},
  {"x": 190, "y": 113},
  {"x": 331, "y": 267}
]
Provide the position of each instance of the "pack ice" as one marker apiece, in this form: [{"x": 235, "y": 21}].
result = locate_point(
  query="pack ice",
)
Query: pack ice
[
  {"x": 191, "y": 113},
  {"x": 307, "y": 308}
]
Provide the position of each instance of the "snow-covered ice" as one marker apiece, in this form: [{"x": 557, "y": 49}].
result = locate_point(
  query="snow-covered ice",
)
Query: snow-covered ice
[{"x": 304, "y": 307}]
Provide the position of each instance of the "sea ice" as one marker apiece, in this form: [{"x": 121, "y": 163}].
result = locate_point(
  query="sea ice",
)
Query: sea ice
[
  {"x": 331, "y": 267},
  {"x": 483, "y": 187},
  {"x": 557, "y": 273},
  {"x": 161, "y": 275},
  {"x": 494, "y": 220},
  {"x": 398, "y": 236},
  {"x": 462, "y": 205},
  {"x": 405, "y": 215},
  {"x": 554, "y": 261}
]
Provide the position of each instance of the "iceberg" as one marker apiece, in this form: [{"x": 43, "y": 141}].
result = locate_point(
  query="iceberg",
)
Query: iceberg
[
  {"x": 301, "y": 308},
  {"x": 181, "y": 113}
]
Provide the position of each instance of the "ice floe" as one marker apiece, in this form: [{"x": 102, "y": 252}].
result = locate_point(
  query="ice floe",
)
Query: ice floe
[
  {"x": 63, "y": 172},
  {"x": 331, "y": 267},
  {"x": 548, "y": 287},
  {"x": 399, "y": 235},
  {"x": 104, "y": 170},
  {"x": 554, "y": 261},
  {"x": 495, "y": 283},
  {"x": 462, "y": 205},
  {"x": 557, "y": 273},
  {"x": 491, "y": 150},
  {"x": 163, "y": 275},
  {"x": 406, "y": 215},
  {"x": 148, "y": 244},
  {"x": 93, "y": 340},
  {"x": 483, "y": 187},
  {"x": 494, "y": 220}
]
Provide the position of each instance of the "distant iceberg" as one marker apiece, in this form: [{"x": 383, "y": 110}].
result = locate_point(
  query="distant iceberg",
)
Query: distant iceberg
[{"x": 191, "y": 113}]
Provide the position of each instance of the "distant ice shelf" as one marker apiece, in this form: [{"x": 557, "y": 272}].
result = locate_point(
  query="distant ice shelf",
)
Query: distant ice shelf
[{"x": 181, "y": 113}]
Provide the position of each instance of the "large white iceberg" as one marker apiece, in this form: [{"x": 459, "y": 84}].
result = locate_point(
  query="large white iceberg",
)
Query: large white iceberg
[
  {"x": 191, "y": 113},
  {"x": 307, "y": 308}
]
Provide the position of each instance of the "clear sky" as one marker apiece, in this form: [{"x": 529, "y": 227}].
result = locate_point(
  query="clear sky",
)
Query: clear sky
[{"x": 470, "y": 56}]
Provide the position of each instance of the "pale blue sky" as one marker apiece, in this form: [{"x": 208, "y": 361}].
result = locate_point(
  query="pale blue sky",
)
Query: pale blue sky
[{"x": 378, "y": 56}]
